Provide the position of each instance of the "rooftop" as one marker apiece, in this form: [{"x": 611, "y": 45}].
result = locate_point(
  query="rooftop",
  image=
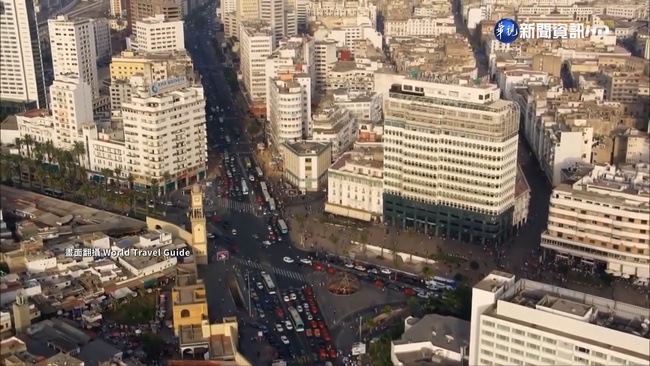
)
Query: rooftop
[
  {"x": 355, "y": 161},
  {"x": 309, "y": 148}
]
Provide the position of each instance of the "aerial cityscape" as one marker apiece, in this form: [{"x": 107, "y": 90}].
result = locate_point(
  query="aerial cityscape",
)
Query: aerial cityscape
[{"x": 324, "y": 182}]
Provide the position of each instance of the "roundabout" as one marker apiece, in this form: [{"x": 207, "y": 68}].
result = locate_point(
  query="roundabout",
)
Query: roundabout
[{"x": 343, "y": 284}]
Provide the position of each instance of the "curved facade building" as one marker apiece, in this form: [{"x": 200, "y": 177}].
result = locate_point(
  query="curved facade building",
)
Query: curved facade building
[{"x": 288, "y": 114}]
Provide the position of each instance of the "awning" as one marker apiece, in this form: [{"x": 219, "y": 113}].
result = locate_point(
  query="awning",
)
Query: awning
[{"x": 348, "y": 212}]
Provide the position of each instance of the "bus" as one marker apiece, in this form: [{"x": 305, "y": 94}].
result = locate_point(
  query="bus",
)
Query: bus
[
  {"x": 268, "y": 282},
  {"x": 267, "y": 196},
  {"x": 445, "y": 283},
  {"x": 225, "y": 156},
  {"x": 244, "y": 186},
  {"x": 227, "y": 139},
  {"x": 297, "y": 321},
  {"x": 247, "y": 161},
  {"x": 259, "y": 172},
  {"x": 53, "y": 193},
  {"x": 283, "y": 226},
  {"x": 271, "y": 204},
  {"x": 263, "y": 186}
]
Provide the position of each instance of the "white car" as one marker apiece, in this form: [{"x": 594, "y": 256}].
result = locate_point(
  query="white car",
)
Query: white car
[
  {"x": 299, "y": 308},
  {"x": 284, "y": 339},
  {"x": 251, "y": 178},
  {"x": 266, "y": 242},
  {"x": 293, "y": 296},
  {"x": 310, "y": 317},
  {"x": 349, "y": 265},
  {"x": 423, "y": 295},
  {"x": 305, "y": 305},
  {"x": 360, "y": 268},
  {"x": 287, "y": 259},
  {"x": 373, "y": 271},
  {"x": 386, "y": 271},
  {"x": 305, "y": 261},
  {"x": 259, "y": 285},
  {"x": 286, "y": 298},
  {"x": 288, "y": 325},
  {"x": 210, "y": 236},
  {"x": 234, "y": 232},
  {"x": 279, "y": 328}
]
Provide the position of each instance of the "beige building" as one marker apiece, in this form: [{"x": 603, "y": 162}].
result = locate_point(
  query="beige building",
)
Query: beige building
[
  {"x": 141, "y": 9},
  {"x": 256, "y": 44},
  {"x": 306, "y": 164},
  {"x": 603, "y": 218},
  {"x": 631, "y": 146}
]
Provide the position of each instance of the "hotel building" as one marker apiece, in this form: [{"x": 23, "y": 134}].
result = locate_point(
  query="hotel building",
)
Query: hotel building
[
  {"x": 450, "y": 160},
  {"x": 602, "y": 219}
]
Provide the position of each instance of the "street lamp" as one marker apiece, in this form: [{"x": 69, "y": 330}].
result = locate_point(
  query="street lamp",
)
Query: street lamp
[{"x": 248, "y": 289}]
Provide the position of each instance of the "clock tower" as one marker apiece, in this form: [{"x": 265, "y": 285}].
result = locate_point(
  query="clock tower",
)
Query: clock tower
[{"x": 197, "y": 222}]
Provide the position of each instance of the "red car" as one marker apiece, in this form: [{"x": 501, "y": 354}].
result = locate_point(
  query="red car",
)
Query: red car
[
  {"x": 332, "y": 353},
  {"x": 331, "y": 270},
  {"x": 321, "y": 324},
  {"x": 319, "y": 267},
  {"x": 314, "y": 310},
  {"x": 326, "y": 336},
  {"x": 322, "y": 353},
  {"x": 316, "y": 333},
  {"x": 409, "y": 291},
  {"x": 378, "y": 283},
  {"x": 279, "y": 313},
  {"x": 308, "y": 291},
  {"x": 313, "y": 324}
]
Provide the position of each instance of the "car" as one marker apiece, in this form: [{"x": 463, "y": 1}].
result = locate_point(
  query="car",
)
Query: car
[
  {"x": 266, "y": 243},
  {"x": 308, "y": 332},
  {"x": 331, "y": 270},
  {"x": 286, "y": 298},
  {"x": 313, "y": 324},
  {"x": 322, "y": 353},
  {"x": 409, "y": 291},
  {"x": 386, "y": 271},
  {"x": 373, "y": 271},
  {"x": 423, "y": 295},
  {"x": 379, "y": 283},
  {"x": 284, "y": 339},
  {"x": 210, "y": 235},
  {"x": 305, "y": 305},
  {"x": 234, "y": 232},
  {"x": 314, "y": 309},
  {"x": 326, "y": 336},
  {"x": 309, "y": 291},
  {"x": 333, "y": 354},
  {"x": 310, "y": 317},
  {"x": 287, "y": 259},
  {"x": 306, "y": 261},
  {"x": 316, "y": 332},
  {"x": 279, "y": 313},
  {"x": 259, "y": 285},
  {"x": 321, "y": 324},
  {"x": 260, "y": 312},
  {"x": 293, "y": 296},
  {"x": 349, "y": 265},
  {"x": 299, "y": 308},
  {"x": 360, "y": 268},
  {"x": 288, "y": 325},
  {"x": 279, "y": 328}
]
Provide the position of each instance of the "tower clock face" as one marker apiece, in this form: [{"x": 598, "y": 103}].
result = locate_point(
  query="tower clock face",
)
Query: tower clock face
[{"x": 197, "y": 199}]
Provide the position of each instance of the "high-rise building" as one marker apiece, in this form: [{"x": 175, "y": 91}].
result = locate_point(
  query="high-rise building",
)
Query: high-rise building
[
  {"x": 602, "y": 218},
  {"x": 157, "y": 35},
  {"x": 280, "y": 16},
  {"x": 141, "y": 9},
  {"x": 103, "y": 46},
  {"x": 289, "y": 107},
  {"x": 246, "y": 10},
  {"x": 450, "y": 160},
  {"x": 72, "y": 107},
  {"x": 72, "y": 43},
  {"x": 22, "y": 84},
  {"x": 522, "y": 322},
  {"x": 256, "y": 42},
  {"x": 116, "y": 8}
]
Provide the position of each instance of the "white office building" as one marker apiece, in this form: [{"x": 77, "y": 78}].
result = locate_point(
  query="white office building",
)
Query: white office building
[
  {"x": 336, "y": 125},
  {"x": 325, "y": 57},
  {"x": 343, "y": 9},
  {"x": 280, "y": 16},
  {"x": 419, "y": 26},
  {"x": 289, "y": 108},
  {"x": 450, "y": 160},
  {"x": 22, "y": 84},
  {"x": 103, "y": 46},
  {"x": 520, "y": 322},
  {"x": 257, "y": 40},
  {"x": 72, "y": 43},
  {"x": 364, "y": 105},
  {"x": 157, "y": 35},
  {"x": 355, "y": 185},
  {"x": 178, "y": 143},
  {"x": 603, "y": 219},
  {"x": 72, "y": 107},
  {"x": 294, "y": 55}
]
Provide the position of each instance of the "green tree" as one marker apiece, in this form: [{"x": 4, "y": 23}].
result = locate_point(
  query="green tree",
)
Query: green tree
[
  {"x": 388, "y": 310},
  {"x": 473, "y": 265},
  {"x": 152, "y": 345},
  {"x": 426, "y": 272}
]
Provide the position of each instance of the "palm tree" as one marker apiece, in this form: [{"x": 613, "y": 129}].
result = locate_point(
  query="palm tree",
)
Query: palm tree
[
  {"x": 41, "y": 175},
  {"x": 100, "y": 193},
  {"x": 363, "y": 237},
  {"x": 118, "y": 174},
  {"x": 50, "y": 151},
  {"x": 166, "y": 178},
  {"x": 106, "y": 173},
  {"x": 335, "y": 240},
  {"x": 369, "y": 323},
  {"x": 87, "y": 191},
  {"x": 28, "y": 142},
  {"x": 154, "y": 190},
  {"x": 111, "y": 199},
  {"x": 6, "y": 168},
  {"x": 123, "y": 201},
  {"x": 426, "y": 272},
  {"x": 81, "y": 175}
]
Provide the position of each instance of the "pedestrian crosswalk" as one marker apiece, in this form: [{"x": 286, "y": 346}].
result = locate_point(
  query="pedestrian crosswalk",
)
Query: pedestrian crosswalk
[
  {"x": 276, "y": 271},
  {"x": 231, "y": 205}
]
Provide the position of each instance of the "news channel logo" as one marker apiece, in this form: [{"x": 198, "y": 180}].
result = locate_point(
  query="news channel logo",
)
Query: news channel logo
[{"x": 507, "y": 30}]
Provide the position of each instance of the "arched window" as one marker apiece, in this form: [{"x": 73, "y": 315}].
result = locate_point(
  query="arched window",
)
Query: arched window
[{"x": 185, "y": 313}]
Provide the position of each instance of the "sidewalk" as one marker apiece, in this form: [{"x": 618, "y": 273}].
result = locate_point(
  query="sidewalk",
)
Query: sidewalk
[{"x": 448, "y": 257}]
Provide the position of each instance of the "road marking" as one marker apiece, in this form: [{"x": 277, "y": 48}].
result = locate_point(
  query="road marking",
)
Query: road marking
[
  {"x": 268, "y": 268},
  {"x": 233, "y": 205}
]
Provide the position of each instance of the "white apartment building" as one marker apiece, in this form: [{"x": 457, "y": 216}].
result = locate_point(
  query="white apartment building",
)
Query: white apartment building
[
  {"x": 633, "y": 12},
  {"x": 280, "y": 16},
  {"x": 364, "y": 105},
  {"x": 352, "y": 75},
  {"x": 156, "y": 35},
  {"x": 603, "y": 219},
  {"x": 245, "y": 10},
  {"x": 519, "y": 322},
  {"x": 565, "y": 145},
  {"x": 301, "y": 8},
  {"x": 257, "y": 41},
  {"x": 115, "y": 8},
  {"x": 581, "y": 12},
  {"x": 355, "y": 185},
  {"x": 178, "y": 144},
  {"x": 432, "y": 9},
  {"x": 347, "y": 31},
  {"x": 343, "y": 9},
  {"x": 289, "y": 108},
  {"x": 305, "y": 164},
  {"x": 37, "y": 123},
  {"x": 450, "y": 160},
  {"x": 72, "y": 43},
  {"x": 325, "y": 56},
  {"x": 72, "y": 107},
  {"x": 294, "y": 55},
  {"x": 103, "y": 46},
  {"x": 419, "y": 27},
  {"x": 22, "y": 84},
  {"x": 336, "y": 125}
]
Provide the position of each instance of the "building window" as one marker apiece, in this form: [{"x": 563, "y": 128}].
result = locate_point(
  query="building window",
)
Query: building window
[{"x": 185, "y": 313}]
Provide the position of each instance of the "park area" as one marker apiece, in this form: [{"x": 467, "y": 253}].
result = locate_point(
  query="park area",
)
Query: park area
[{"x": 140, "y": 309}]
